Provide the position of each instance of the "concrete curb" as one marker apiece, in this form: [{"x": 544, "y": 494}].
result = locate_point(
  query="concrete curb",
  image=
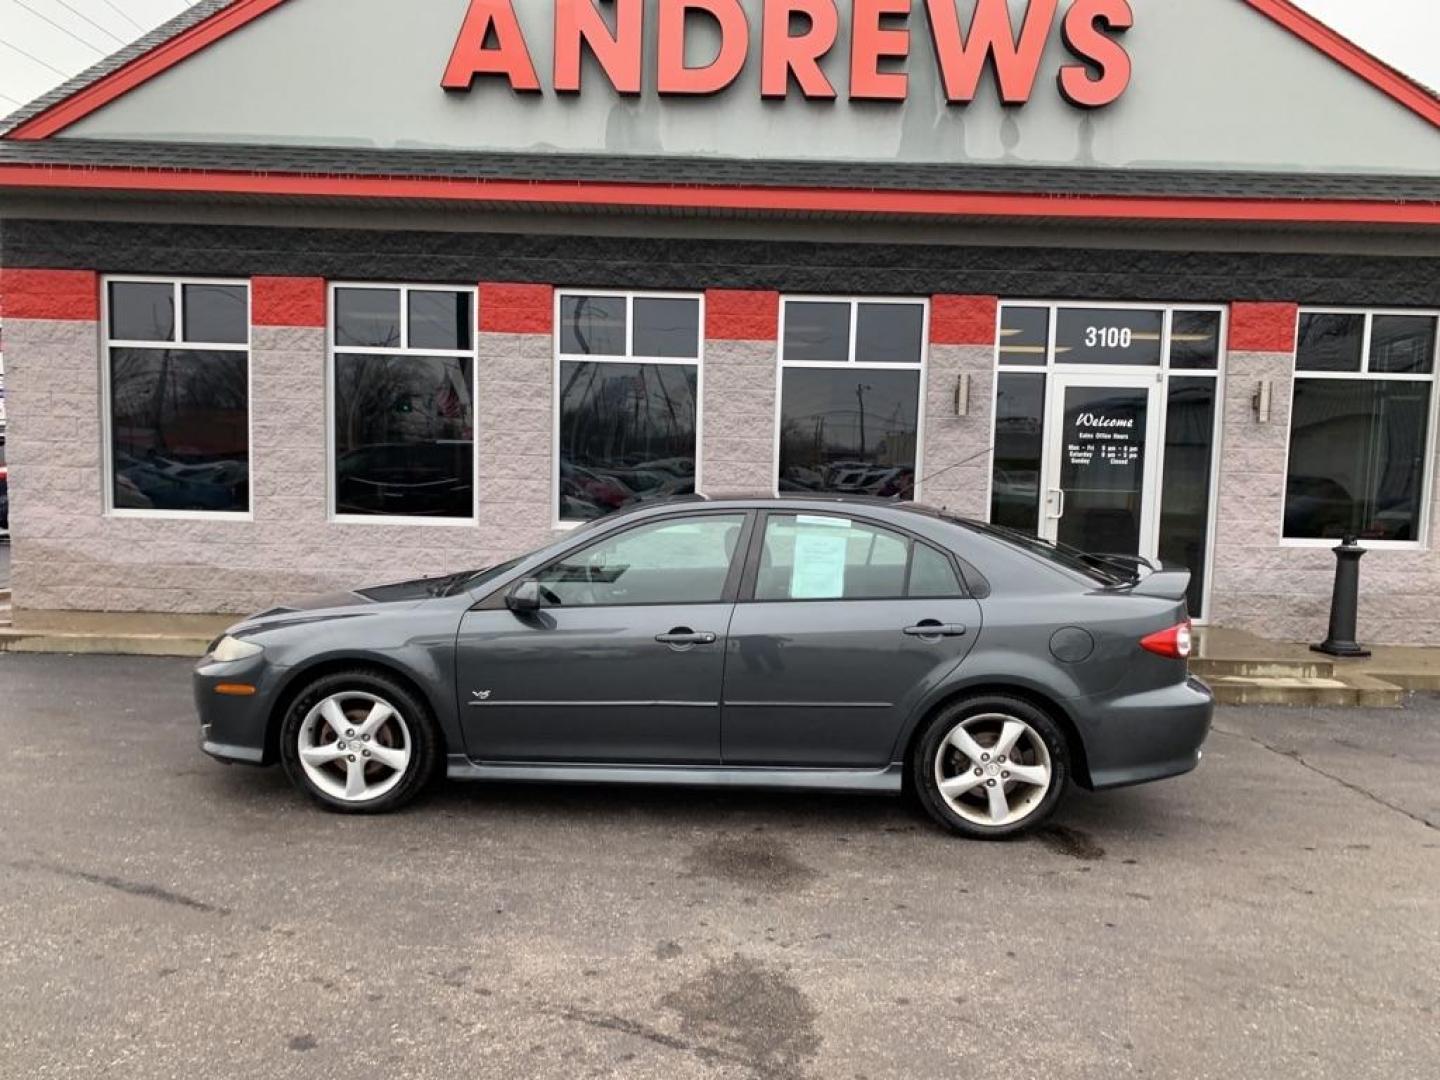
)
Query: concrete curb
[{"x": 20, "y": 641}]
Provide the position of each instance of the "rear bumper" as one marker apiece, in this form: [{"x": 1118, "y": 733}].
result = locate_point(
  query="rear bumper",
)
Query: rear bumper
[{"x": 1147, "y": 736}]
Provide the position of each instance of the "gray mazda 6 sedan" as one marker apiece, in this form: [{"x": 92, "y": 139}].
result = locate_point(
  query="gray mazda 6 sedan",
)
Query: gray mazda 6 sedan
[{"x": 803, "y": 643}]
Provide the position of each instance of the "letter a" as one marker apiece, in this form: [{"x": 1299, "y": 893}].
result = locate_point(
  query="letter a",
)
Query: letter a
[{"x": 509, "y": 57}]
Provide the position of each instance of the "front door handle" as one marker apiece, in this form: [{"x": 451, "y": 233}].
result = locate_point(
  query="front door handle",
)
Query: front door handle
[
  {"x": 683, "y": 635},
  {"x": 929, "y": 628}
]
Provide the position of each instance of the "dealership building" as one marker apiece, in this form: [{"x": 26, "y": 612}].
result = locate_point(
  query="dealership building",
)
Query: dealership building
[{"x": 300, "y": 294}]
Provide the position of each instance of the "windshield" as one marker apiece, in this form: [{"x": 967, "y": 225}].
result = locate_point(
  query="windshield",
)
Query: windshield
[{"x": 1109, "y": 570}]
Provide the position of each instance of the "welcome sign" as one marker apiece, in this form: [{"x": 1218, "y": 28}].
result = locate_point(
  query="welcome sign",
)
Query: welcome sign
[{"x": 797, "y": 38}]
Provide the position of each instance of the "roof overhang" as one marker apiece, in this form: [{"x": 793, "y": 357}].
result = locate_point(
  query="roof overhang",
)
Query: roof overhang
[{"x": 714, "y": 198}]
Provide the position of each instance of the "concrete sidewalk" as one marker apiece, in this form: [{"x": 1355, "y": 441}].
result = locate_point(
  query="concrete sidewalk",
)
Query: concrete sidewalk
[{"x": 1247, "y": 670}]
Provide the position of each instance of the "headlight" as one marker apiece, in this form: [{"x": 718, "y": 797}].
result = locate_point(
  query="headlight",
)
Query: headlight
[{"x": 228, "y": 649}]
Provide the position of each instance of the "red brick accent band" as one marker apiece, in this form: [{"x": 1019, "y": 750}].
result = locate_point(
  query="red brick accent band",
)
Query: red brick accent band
[
  {"x": 70, "y": 295},
  {"x": 508, "y": 308},
  {"x": 287, "y": 301},
  {"x": 1263, "y": 327},
  {"x": 741, "y": 315},
  {"x": 963, "y": 320}
]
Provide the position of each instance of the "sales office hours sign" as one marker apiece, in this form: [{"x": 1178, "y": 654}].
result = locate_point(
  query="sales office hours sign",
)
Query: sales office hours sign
[{"x": 971, "y": 40}]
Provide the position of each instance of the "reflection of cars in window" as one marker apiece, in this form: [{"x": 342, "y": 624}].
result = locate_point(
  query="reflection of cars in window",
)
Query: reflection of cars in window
[
  {"x": 1320, "y": 508},
  {"x": 409, "y": 479},
  {"x": 156, "y": 481}
]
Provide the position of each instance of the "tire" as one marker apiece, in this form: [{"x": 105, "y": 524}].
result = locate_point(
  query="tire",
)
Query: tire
[
  {"x": 978, "y": 782},
  {"x": 323, "y": 749}
]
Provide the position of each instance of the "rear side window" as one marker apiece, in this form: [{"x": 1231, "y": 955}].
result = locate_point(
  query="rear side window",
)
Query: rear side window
[
  {"x": 932, "y": 575},
  {"x": 826, "y": 557}
]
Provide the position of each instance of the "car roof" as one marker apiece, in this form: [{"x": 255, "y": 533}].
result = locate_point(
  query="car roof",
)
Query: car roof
[{"x": 795, "y": 500}]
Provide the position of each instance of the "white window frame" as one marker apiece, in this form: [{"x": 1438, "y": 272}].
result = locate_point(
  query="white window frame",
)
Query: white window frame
[
  {"x": 630, "y": 357},
  {"x": 1163, "y": 369},
  {"x": 332, "y": 350},
  {"x": 851, "y": 363},
  {"x": 1423, "y": 524},
  {"x": 179, "y": 344}
]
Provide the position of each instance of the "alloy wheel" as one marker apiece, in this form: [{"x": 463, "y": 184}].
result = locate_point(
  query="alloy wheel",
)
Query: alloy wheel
[
  {"x": 993, "y": 769},
  {"x": 354, "y": 746}
]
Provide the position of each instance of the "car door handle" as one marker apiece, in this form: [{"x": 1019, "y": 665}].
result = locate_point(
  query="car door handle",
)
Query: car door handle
[
  {"x": 930, "y": 628},
  {"x": 683, "y": 636}
]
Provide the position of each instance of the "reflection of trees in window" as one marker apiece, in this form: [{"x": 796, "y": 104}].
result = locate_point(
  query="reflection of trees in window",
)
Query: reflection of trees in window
[{"x": 180, "y": 429}]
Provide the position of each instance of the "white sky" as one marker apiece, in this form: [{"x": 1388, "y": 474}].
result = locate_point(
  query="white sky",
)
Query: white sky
[{"x": 1405, "y": 33}]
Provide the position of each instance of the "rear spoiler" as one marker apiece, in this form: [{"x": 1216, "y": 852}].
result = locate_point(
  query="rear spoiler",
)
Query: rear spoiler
[{"x": 1166, "y": 583}]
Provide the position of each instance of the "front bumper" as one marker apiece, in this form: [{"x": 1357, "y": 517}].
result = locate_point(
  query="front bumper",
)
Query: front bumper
[
  {"x": 234, "y": 729},
  {"x": 1149, "y": 735}
]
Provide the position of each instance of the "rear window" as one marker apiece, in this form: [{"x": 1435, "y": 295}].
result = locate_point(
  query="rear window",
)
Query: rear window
[{"x": 1077, "y": 562}]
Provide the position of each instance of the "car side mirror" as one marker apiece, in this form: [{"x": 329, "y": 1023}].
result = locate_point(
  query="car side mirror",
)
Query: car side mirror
[{"x": 524, "y": 596}]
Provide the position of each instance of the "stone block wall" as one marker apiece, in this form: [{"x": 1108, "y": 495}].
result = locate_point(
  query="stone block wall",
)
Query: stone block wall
[{"x": 955, "y": 470}]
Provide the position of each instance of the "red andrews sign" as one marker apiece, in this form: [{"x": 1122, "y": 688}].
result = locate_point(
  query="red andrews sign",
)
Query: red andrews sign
[{"x": 796, "y": 39}]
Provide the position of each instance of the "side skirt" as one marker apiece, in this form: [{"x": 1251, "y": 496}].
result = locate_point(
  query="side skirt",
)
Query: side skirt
[{"x": 886, "y": 781}]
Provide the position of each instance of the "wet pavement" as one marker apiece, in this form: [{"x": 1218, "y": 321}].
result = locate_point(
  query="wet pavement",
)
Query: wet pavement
[{"x": 1275, "y": 914}]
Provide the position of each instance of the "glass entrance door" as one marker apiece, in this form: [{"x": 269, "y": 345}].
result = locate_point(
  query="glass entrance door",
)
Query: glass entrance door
[{"x": 1102, "y": 463}]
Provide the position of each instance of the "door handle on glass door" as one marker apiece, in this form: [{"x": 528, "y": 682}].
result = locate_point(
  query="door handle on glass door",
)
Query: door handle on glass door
[
  {"x": 929, "y": 628},
  {"x": 683, "y": 635},
  {"x": 1056, "y": 498}
]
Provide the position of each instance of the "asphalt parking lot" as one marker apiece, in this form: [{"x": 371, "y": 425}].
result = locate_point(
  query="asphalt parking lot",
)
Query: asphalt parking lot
[{"x": 1275, "y": 914}]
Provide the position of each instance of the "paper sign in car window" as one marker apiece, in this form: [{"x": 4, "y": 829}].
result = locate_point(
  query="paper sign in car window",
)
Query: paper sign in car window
[{"x": 819, "y": 570}]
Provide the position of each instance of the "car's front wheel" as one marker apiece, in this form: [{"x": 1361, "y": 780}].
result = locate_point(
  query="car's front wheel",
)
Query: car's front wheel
[
  {"x": 358, "y": 742},
  {"x": 991, "y": 767}
]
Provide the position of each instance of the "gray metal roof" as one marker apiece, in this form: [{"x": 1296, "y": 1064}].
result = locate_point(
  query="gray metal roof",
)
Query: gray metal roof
[{"x": 719, "y": 172}]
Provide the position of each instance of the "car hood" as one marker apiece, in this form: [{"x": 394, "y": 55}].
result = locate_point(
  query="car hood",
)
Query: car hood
[{"x": 340, "y": 605}]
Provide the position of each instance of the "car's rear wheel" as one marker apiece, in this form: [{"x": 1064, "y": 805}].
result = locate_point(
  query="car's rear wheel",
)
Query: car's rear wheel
[
  {"x": 358, "y": 742},
  {"x": 991, "y": 767}
]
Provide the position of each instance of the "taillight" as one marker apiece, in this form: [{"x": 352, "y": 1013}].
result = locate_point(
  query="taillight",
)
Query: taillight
[{"x": 1173, "y": 644}]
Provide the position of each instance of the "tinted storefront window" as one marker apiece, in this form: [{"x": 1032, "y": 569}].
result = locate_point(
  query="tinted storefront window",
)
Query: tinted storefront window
[
  {"x": 1195, "y": 340},
  {"x": 1185, "y": 500},
  {"x": 1019, "y": 450},
  {"x": 1360, "y": 426},
  {"x": 1108, "y": 336},
  {"x": 404, "y": 436},
  {"x": 627, "y": 434},
  {"x": 404, "y": 421},
  {"x": 849, "y": 430},
  {"x": 1024, "y": 336},
  {"x": 850, "y": 396},
  {"x": 179, "y": 422},
  {"x": 629, "y": 400},
  {"x": 180, "y": 430},
  {"x": 1357, "y": 459}
]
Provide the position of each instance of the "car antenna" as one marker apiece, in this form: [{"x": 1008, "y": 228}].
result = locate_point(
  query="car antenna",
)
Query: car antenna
[{"x": 909, "y": 489}]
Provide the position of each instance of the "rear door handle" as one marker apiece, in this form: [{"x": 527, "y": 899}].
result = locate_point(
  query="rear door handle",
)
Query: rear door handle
[
  {"x": 931, "y": 629},
  {"x": 682, "y": 636}
]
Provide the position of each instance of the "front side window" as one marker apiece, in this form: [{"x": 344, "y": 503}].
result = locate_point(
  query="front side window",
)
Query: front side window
[
  {"x": 404, "y": 402},
  {"x": 629, "y": 400},
  {"x": 178, "y": 387},
  {"x": 1360, "y": 426},
  {"x": 850, "y": 396},
  {"x": 824, "y": 557},
  {"x": 684, "y": 561}
]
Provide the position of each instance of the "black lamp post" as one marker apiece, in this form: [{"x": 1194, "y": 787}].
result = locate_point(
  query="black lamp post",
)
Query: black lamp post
[{"x": 1345, "y": 603}]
